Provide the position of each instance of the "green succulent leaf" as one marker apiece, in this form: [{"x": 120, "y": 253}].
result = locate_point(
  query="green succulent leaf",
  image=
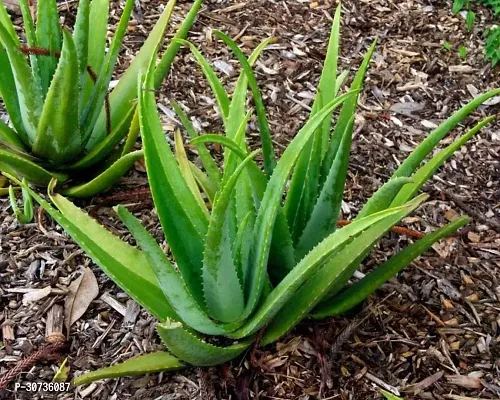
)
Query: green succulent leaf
[
  {"x": 383, "y": 197},
  {"x": 122, "y": 96},
  {"x": 182, "y": 159},
  {"x": 408, "y": 166},
  {"x": 206, "y": 159},
  {"x": 217, "y": 87},
  {"x": 189, "y": 348},
  {"x": 91, "y": 112},
  {"x": 28, "y": 91},
  {"x": 6, "y": 22},
  {"x": 427, "y": 170},
  {"x": 24, "y": 216},
  {"x": 325, "y": 213},
  {"x": 304, "y": 185},
  {"x": 344, "y": 124},
  {"x": 339, "y": 267},
  {"x": 81, "y": 39},
  {"x": 105, "y": 147},
  {"x": 16, "y": 164},
  {"x": 29, "y": 29},
  {"x": 221, "y": 286},
  {"x": 308, "y": 266},
  {"x": 124, "y": 264},
  {"x": 271, "y": 204},
  {"x": 98, "y": 25},
  {"x": 9, "y": 137},
  {"x": 8, "y": 92},
  {"x": 59, "y": 137},
  {"x": 183, "y": 221},
  {"x": 205, "y": 183},
  {"x": 48, "y": 34},
  {"x": 105, "y": 179},
  {"x": 169, "y": 280},
  {"x": 265, "y": 133},
  {"x": 165, "y": 63},
  {"x": 143, "y": 364},
  {"x": 359, "y": 291}
]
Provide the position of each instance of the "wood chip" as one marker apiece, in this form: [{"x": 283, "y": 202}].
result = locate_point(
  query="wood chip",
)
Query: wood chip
[{"x": 464, "y": 381}]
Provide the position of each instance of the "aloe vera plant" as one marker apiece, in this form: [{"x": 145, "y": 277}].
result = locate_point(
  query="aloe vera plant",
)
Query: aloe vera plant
[
  {"x": 243, "y": 260},
  {"x": 63, "y": 123}
]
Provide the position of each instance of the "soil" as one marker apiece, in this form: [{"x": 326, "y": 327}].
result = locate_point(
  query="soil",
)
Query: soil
[{"x": 431, "y": 333}]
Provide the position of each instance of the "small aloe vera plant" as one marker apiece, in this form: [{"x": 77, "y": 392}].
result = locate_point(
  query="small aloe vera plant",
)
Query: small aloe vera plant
[
  {"x": 54, "y": 86},
  {"x": 249, "y": 262}
]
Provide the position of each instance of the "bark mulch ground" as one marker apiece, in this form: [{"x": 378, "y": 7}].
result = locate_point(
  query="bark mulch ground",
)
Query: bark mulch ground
[{"x": 430, "y": 333}]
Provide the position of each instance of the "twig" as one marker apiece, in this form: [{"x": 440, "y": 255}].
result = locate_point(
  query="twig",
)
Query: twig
[{"x": 55, "y": 343}]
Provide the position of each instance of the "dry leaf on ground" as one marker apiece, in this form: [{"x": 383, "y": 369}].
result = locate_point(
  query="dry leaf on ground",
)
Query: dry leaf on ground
[
  {"x": 81, "y": 293},
  {"x": 36, "y": 294}
]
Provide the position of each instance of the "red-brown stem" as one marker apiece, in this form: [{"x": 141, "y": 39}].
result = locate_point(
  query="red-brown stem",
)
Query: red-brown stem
[{"x": 28, "y": 362}]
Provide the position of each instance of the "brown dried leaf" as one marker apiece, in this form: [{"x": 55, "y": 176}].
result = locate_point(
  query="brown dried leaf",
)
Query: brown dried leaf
[
  {"x": 36, "y": 294},
  {"x": 81, "y": 292},
  {"x": 464, "y": 381}
]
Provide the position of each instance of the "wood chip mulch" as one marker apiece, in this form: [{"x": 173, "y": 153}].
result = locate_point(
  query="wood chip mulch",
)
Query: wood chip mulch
[{"x": 430, "y": 333}]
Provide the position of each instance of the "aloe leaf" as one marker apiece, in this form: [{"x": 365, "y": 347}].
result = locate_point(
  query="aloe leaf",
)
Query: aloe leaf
[
  {"x": 206, "y": 159},
  {"x": 29, "y": 29},
  {"x": 24, "y": 216},
  {"x": 9, "y": 136},
  {"x": 270, "y": 204},
  {"x": 28, "y": 92},
  {"x": 282, "y": 253},
  {"x": 389, "y": 395},
  {"x": 338, "y": 268},
  {"x": 308, "y": 266},
  {"x": 427, "y": 170},
  {"x": 105, "y": 147},
  {"x": 217, "y": 87},
  {"x": 265, "y": 132},
  {"x": 325, "y": 213},
  {"x": 165, "y": 63},
  {"x": 169, "y": 279},
  {"x": 359, "y": 291},
  {"x": 183, "y": 221},
  {"x": 344, "y": 121},
  {"x": 16, "y": 164},
  {"x": 303, "y": 191},
  {"x": 105, "y": 179},
  {"x": 327, "y": 87},
  {"x": 143, "y": 364},
  {"x": 237, "y": 108},
  {"x": 98, "y": 25},
  {"x": 341, "y": 78},
  {"x": 180, "y": 154},
  {"x": 221, "y": 286},
  {"x": 92, "y": 111},
  {"x": 58, "y": 137},
  {"x": 124, "y": 264},
  {"x": 6, "y": 22},
  {"x": 258, "y": 178},
  {"x": 48, "y": 34},
  {"x": 243, "y": 196},
  {"x": 189, "y": 348},
  {"x": 383, "y": 197},
  {"x": 432, "y": 140},
  {"x": 133, "y": 134},
  {"x": 205, "y": 183},
  {"x": 242, "y": 246},
  {"x": 122, "y": 96},
  {"x": 8, "y": 93},
  {"x": 81, "y": 39}
]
